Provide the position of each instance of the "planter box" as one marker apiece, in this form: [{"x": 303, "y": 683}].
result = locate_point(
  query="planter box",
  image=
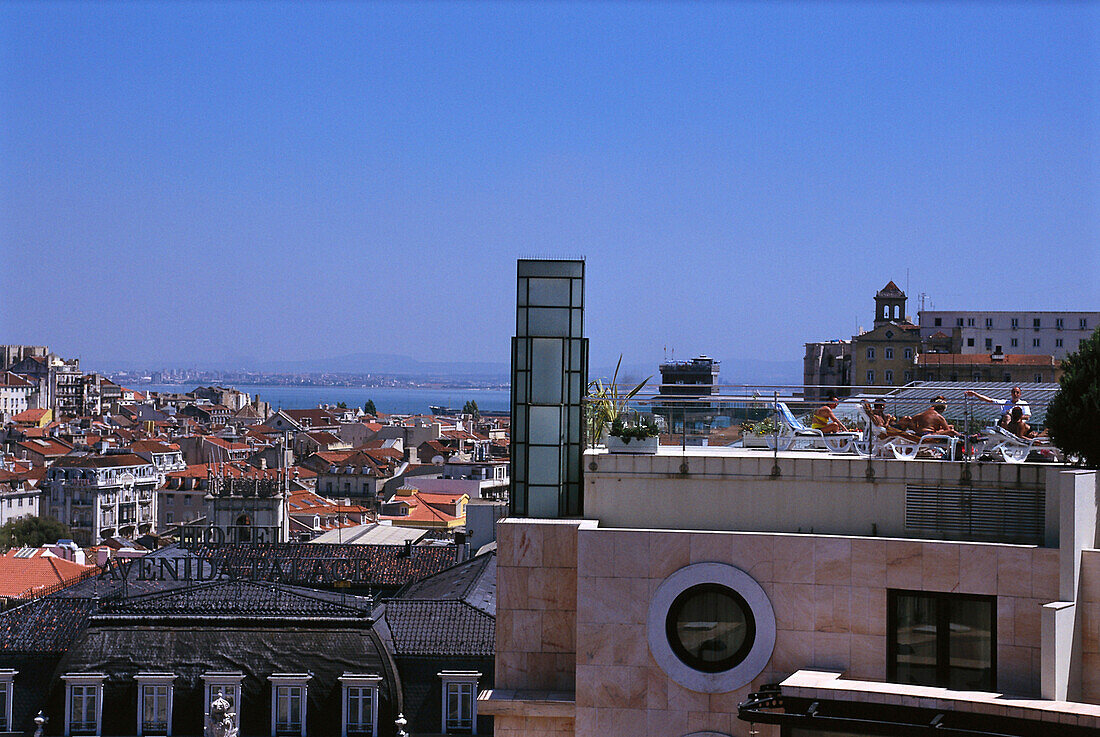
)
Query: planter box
[
  {"x": 644, "y": 445},
  {"x": 755, "y": 441}
]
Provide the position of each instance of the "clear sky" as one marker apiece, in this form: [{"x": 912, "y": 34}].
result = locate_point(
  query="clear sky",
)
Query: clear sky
[{"x": 308, "y": 179}]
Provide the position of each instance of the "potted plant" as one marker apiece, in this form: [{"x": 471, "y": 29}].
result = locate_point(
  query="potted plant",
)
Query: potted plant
[
  {"x": 604, "y": 405},
  {"x": 755, "y": 434},
  {"x": 633, "y": 433}
]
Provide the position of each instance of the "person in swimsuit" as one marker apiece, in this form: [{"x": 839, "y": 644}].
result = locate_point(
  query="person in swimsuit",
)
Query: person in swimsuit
[
  {"x": 1019, "y": 427},
  {"x": 824, "y": 419},
  {"x": 887, "y": 426},
  {"x": 931, "y": 420}
]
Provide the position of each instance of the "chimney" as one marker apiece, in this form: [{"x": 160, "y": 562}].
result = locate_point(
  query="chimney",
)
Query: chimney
[
  {"x": 407, "y": 553},
  {"x": 462, "y": 547}
]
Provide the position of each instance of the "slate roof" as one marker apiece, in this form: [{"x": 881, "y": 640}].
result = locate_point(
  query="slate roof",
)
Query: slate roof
[
  {"x": 48, "y": 625},
  {"x": 380, "y": 565},
  {"x": 474, "y": 582},
  {"x": 429, "y": 627},
  {"x": 236, "y": 599}
]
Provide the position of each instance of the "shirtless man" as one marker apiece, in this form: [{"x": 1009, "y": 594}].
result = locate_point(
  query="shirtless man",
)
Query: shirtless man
[
  {"x": 824, "y": 419},
  {"x": 931, "y": 420},
  {"x": 1019, "y": 427},
  {"x": 888, "y": 425}
]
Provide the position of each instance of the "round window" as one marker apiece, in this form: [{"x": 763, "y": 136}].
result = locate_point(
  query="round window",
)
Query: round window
[{"x": 710, "y": 627}]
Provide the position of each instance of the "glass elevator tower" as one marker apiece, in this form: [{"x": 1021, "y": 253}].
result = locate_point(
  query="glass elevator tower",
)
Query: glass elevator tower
[{"x": 549, "y": 381}]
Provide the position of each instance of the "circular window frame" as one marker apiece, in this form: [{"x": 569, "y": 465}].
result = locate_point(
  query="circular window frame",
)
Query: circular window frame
[
  {"x": 725, "y": 576},
  {"x": 717, "y": 666}
]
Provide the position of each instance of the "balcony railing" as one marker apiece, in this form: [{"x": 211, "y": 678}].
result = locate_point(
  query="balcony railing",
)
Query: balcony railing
[{"x": 714, "y": 415}]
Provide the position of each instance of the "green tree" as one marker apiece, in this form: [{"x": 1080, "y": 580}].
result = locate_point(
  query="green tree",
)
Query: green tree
[
  {"x": 341, "y": 405},
  {"x": 32, "y": 532},
  {"x": 1072, "y": 414},
  {"x": 369, "y": 408},
  {"x": 470, "y": 408}
]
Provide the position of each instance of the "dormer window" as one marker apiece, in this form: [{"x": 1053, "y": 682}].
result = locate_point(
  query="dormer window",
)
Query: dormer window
[
  {"x": 360, "y": 705},
  {"x": 154, "y": 703},
  {"x": 288, "y": 704},
  {"x": 83, "y": 703},
  {"x": 7, "y": 676},
  {"x": 459, "y": 701}
]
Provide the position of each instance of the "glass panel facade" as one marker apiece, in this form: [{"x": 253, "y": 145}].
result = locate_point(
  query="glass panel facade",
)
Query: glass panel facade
[
  {"x": 938, "y": 639},
  {"x": 549, "y": 378},
  {"x": 970, "y": 645},
  {"x": 916, "y": 640}
]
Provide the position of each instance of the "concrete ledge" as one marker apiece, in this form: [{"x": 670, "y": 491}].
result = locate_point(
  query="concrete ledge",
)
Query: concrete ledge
[
  {"x": 512, "y": 703},
  {"x": 827, "y": 685}
]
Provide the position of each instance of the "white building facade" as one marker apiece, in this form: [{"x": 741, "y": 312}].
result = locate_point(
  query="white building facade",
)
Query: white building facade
[
  {"x": 1032, "y": 333},
  {"x": 103, "y": 496}
]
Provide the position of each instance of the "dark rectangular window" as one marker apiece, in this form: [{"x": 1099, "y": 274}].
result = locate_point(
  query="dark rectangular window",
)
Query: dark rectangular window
[
  {"x": 939, "y": 321},
  {"x": 938, "y": 639}
]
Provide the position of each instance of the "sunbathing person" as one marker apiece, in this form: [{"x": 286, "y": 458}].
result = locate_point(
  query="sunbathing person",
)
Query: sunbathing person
[
  {"x": 931, "y": 421},
  {"x": 1019, "y": 427},
  {"x": 886, "y": 426},
  {"x": 824, "y": 419}
]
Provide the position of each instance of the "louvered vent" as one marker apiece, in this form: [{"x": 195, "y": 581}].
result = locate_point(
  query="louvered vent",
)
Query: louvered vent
[{"x": 967, "y": 513}]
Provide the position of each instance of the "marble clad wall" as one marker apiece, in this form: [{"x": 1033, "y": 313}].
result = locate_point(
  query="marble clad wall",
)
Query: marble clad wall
[
  {"x": 536, "y": 616},
  {"x": 573, "y": 600},
  {"x": 1089, "y": 598}
]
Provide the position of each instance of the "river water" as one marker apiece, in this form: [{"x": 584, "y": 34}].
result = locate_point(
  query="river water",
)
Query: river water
[{"x": 387, "y": 399}]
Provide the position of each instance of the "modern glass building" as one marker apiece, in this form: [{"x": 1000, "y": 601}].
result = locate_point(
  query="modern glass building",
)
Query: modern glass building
[{"x": 549, "y": 378}]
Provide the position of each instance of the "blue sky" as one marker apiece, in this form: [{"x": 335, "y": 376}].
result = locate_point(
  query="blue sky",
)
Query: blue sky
[{"x": 296, "y": 180}]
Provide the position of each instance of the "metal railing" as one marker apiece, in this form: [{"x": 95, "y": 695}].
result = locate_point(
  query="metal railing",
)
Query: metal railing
[{"x": 745, "y": 415}]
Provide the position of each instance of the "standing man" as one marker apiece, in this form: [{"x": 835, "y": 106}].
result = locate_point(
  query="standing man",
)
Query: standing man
[{"x": 1006, "y": 407}]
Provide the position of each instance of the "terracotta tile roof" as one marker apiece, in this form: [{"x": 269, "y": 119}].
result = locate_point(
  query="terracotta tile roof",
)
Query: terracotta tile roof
[
  {"x": 236, "y": 470},
  {"x": 46, "y": 447},
  {"x": 983, "y": 359},
  {"x": 120, "y": 460},
  {"x": 315, "y": 416},
  {"x": 154, "y": 446},
  {"x": 30, "y": 415},
  {"x": 222, "y": 443},
  {"x": 7, "y": 378},
  {"x": 23, "y": 576}
]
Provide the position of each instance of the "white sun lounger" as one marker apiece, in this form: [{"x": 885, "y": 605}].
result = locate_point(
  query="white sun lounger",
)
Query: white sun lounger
[{"x": 794, "y": 432}]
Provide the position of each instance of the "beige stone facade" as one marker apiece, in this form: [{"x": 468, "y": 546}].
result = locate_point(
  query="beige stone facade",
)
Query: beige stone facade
[{"x": 574, "y": 655}]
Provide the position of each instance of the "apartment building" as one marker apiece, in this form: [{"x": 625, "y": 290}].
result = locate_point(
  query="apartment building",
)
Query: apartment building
[
  {"x": 1054, "y": 334},
  {"x": 15, "y": 394},
  {"x": 103, "y": 496}
]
